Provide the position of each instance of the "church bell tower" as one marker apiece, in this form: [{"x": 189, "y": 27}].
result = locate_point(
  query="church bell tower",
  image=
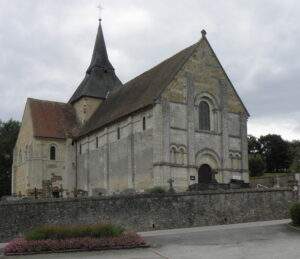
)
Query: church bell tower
[{"x": 100, "y": 80}]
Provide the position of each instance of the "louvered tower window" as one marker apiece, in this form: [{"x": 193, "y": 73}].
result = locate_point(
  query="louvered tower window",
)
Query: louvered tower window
[{"x": 204, "y": 116}]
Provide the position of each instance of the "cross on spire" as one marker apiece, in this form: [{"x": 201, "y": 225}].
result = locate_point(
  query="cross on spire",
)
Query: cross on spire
[{"x": 100, "y": 7}]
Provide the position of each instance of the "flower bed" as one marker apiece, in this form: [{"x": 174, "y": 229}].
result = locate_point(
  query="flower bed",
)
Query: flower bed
[{"x": 21, "y": 246}]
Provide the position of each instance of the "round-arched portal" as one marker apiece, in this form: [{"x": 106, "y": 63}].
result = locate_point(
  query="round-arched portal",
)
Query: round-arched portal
[{"x": 205, "y": 174}]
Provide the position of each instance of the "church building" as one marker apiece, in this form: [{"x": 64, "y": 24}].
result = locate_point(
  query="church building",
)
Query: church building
[{"x": 182, "y": 121}]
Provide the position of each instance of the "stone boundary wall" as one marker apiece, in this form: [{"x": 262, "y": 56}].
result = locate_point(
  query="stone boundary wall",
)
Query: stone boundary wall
[
  {"x": 148, "y": 212},
  {"x": 285, "y": 180}
]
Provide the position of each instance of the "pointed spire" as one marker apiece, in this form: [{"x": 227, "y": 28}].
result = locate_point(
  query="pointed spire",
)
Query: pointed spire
[
  {"x": 100, "y": 78},
  {"x": 100, "y": 57}
]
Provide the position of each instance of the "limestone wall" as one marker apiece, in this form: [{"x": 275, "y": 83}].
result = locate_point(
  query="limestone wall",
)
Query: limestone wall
[
  {"x": 118, "y": 157},
  {"x": 32, "y": 166},
  {"x": 148, "y": 212},
  {"x": 85, "y": 107},
  {"x": 22, "y": 150},
  {"x": 224, "y": 146}
]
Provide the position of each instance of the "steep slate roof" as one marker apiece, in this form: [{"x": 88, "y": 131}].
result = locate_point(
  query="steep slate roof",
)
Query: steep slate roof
[
  {"x": 143, "y": 90},
  {"x": 138, "y": 93},
  {"x": 100, "y": 76},
  {"x": 52, "y": 119}
]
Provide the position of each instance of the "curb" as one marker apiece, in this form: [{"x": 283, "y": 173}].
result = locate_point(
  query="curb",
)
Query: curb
[
  {"x": 290, "y": 226},
  {"x": 78, "y": 250},
  {"x": 2, "y": 245}
]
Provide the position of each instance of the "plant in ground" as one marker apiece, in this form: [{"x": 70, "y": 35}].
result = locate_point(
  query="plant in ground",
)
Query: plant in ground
[
  {"x": 156, "y": 189},
  {"x": 257, "y": 165},
  {"x": 295, "y": 214},
  {"x": 23, "y": 246},
  {"x": 70, "y": 231}
]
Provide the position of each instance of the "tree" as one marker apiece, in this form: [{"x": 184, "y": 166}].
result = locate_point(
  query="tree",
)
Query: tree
[
  {"x": 254, "y": 146},
  {"x": 295, "y": 149},
  {"x": 8, "y": 135},
  {"x": 276, "y": 152},
  {"x": 257, "y": 165}
]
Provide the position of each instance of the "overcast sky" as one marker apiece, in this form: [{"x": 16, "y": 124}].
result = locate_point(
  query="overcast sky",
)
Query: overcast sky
[{"x": 46, "y": 46}]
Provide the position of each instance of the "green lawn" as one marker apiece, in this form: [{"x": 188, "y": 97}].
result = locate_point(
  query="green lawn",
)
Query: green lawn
[{"x": 271, "y": 175}]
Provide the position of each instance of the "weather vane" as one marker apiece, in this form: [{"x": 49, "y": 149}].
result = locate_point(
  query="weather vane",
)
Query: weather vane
[{"x": 100, "y": 10}]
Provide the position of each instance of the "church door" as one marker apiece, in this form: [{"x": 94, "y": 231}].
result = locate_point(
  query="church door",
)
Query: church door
[{"x": 205, "y": 174}]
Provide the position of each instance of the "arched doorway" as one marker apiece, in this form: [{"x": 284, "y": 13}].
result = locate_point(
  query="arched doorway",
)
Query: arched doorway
[{"x": 205, "y": 174}]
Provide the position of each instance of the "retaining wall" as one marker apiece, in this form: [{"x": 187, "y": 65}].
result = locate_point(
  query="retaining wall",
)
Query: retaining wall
[{"x": 148, "y": 212}]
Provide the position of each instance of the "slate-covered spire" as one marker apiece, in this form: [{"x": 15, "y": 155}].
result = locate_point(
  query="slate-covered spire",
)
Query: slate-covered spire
[
  {"x": 100, "y": 58},
  {"x": 100, "y": 78}
]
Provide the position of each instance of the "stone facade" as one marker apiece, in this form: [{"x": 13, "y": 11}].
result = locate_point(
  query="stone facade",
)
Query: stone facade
[
  {"x": 33, "y": 172},
  {"x": 148, "y": 212},
  {"x": 85, "y": 107}
]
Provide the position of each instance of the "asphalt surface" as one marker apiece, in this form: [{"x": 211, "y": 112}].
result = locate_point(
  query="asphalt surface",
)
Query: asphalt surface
[{"x": 272, "y": 239}]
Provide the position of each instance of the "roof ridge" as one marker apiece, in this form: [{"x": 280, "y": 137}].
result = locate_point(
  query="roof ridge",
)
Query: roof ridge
[
  {"x": 160, "y": 63},
  {"x": 42, "y": 100}
]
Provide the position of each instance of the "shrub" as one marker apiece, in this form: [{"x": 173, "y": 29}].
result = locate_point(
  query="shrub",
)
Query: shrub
[
  {"x": 257, "y": 165},
  {"x": 156, "y": 189},
  {"x": 295, "y": 214},
  {"x": 129, "y": 191},
  {"x": 69, "y": 231}
]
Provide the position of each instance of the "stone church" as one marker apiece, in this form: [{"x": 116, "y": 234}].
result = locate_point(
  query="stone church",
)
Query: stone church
[{"x": 180, "y": 121}]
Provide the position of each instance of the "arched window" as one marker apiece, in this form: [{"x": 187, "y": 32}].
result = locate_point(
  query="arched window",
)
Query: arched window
[
  {"x": 52, "y": 153},
  {"x": 204, "y": 116},
  {"x": 173, "y": 153},
  {"x": 118, "y": 133},
  {"x": 97, "y": 142},
  {"x": 144, "y": 123}
]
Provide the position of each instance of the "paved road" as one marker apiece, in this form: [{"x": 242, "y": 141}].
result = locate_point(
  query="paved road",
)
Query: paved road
[{"x": 272, "y": 239}]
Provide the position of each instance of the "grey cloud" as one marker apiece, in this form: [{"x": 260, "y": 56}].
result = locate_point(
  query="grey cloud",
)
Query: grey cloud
[{"x": 46, "y": 46}]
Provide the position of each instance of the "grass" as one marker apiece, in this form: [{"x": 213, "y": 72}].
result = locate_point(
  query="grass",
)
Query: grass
[
  {"x": 265, "y": 175},
  {"x": 156, "y": 189},
  {"x": 60, "y": 232}
]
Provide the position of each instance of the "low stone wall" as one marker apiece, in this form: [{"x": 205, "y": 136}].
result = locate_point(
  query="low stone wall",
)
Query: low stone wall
[
  {"x": 148, "y": 212},
  {"x": 284, "y": 180}
]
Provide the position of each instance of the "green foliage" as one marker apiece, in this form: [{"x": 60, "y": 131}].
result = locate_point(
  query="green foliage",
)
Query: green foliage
[
  {"x": 295, "y": 214},
  {"x": 257, "y": 165},
  {"x": 295, "y": 149},
  {"x": 69, "y": 231},
  {"x": 156, "y": 189},
  {"x": 254, "y": 146},
  {"x": 8, "y": 135},
  {"x": 276, "y": 152}
]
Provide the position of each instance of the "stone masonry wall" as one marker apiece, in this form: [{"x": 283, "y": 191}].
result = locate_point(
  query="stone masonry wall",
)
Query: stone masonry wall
[
  {"x": 284, "y": 180},
  {"x": 148, "y": 212}
]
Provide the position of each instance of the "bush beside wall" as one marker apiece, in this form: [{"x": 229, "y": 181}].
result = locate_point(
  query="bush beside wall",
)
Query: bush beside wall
[{"x": 295, "y": 214}]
